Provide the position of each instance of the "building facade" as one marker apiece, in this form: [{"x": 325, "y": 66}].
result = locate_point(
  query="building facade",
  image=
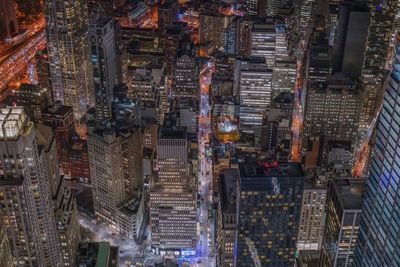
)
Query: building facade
[
  {"x": 5, "y": 255},
  {"x": 269, "y": 213},
  {"x": 68, "y": 49},
  {"x": 313, "y": 215},
  {"x": 103, "y": 49},
  {"x": 378, "y": 243},
  {"x": 25, "y": 193},
  {"x": 344, "y": 202},
  {"x": 172, "y": 196},
  {"x": 227, "y": 222},
  {"x": 255, "y": 85},
  {"x": 115, "y": 158}
]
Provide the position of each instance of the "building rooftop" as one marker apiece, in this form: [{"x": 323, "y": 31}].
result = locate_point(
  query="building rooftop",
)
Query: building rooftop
[
  {"x": 350, "y": 192},
  {"x": 131, "y": 206},
  {"x": 228, "y": 184},
  {"x": 29, "y": 88},
  {"x": 172, "y": 133},
  {"x": 99, "y": 254},
  {"x": 13, "y": 120},
  {"x": 346, "y": 145},
  {"x": 58, "y": 109},
  {"x": 283, "y": 98},
  {"x": 256, "y": 177}
]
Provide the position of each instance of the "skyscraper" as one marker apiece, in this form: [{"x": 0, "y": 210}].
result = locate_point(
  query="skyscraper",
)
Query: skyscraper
[
  {"x": 25, "y": 193},
  {"x": 379, "y": 36},
  {"x": 167, "y": 13},
  {"x": 378, "y": 243},
  {"x": 228, "y": 214},
  {"x": 212, "y": 26},
  {"x": 350, "y": 39},
  {"x": 255, "y": 7},
  {"x": 312, "y": 218},
  {"x": 284, "y": 75},
  {"x": 104, "y": 60},
  {"x": 305, "y": 16},
  {"x": 269, "y": 213},
  {"x": 344, "y": 201},
  {"x": 263, "y": 41},
  {"x": 333, "y": 111},
  {"x": 255, "y": 82},
  {"x": 115, "y": 170},
  {"x": 68, "y": 49},
  {"x": 43, "y": 70},
  {"x": 65, "y": 208},
  {"x": 186, "y": 78},
  {"x": 172, "y": 196}
]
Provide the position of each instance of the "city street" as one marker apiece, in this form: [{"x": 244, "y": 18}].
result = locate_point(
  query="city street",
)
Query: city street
[
  {"x": 205, "y": 226},
  {"x": 297, "y": 123},
  {"x": 17, "y": 61}
]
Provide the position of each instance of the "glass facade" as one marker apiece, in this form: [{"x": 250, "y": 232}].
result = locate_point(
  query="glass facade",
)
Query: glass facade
[
  {"x": 269, "y": 214},
  {"x": 379, "y": 242}
]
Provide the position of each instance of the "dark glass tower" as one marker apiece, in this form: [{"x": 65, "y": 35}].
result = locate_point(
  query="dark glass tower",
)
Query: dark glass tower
[
  {"x": 269, "y": 214},
  {"x": 379, "y": 239}
]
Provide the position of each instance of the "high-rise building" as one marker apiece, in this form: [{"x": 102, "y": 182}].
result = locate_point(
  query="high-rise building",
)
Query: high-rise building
[
  {"x": 115, "y": 170},
  {"x": 212, "y": 26},
  {"x": 284, "y": 75},
  {"x": 172, "y": 196},
  {"x": 25, "y": 193},
  {"x": 276, "y": 128},
  {"x": 273, "y": 7},
  {"x": 379, "y": 37},
  {"x": 318, "y": 64},
  {"x": 230, "y": 36},
  {"x": 228, "y": 212},
  {"x": 103, "y": 49},
  {"x": 68, "y": 228},
  {"x": 255, "y": 85},
  {"x": 68, "y": 49},
  {"x": 34, "y": 98},
  {"x": 43, "y": 70},
  {"x": 305, "y": 17},
  {"x": 350, "y": 39},
  {"x": 263, "y": 41},
  {"x": 143, "y": 86},
  {"x": 312, "y": 218},
  {"x": 5, "y": 255},
  {"x": 167, "y": 13},
  {"x": 334, "y": 110},
  {"x": 65, "y": 207},
  {"x": 378, "y": 240},
  {"x": 343, "y": 204},
  {"x": 255, "y": 7},
  {"x": 186, "y": 78},
  {"x": 97, "y": 254},
  {"x": 332, "y": 22},
  {"x": 8, "y": 20},
  {"x": 72, "y": 152},
  {"x": 244, "y": 37},
  {"x": 269, "y": 213}
]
